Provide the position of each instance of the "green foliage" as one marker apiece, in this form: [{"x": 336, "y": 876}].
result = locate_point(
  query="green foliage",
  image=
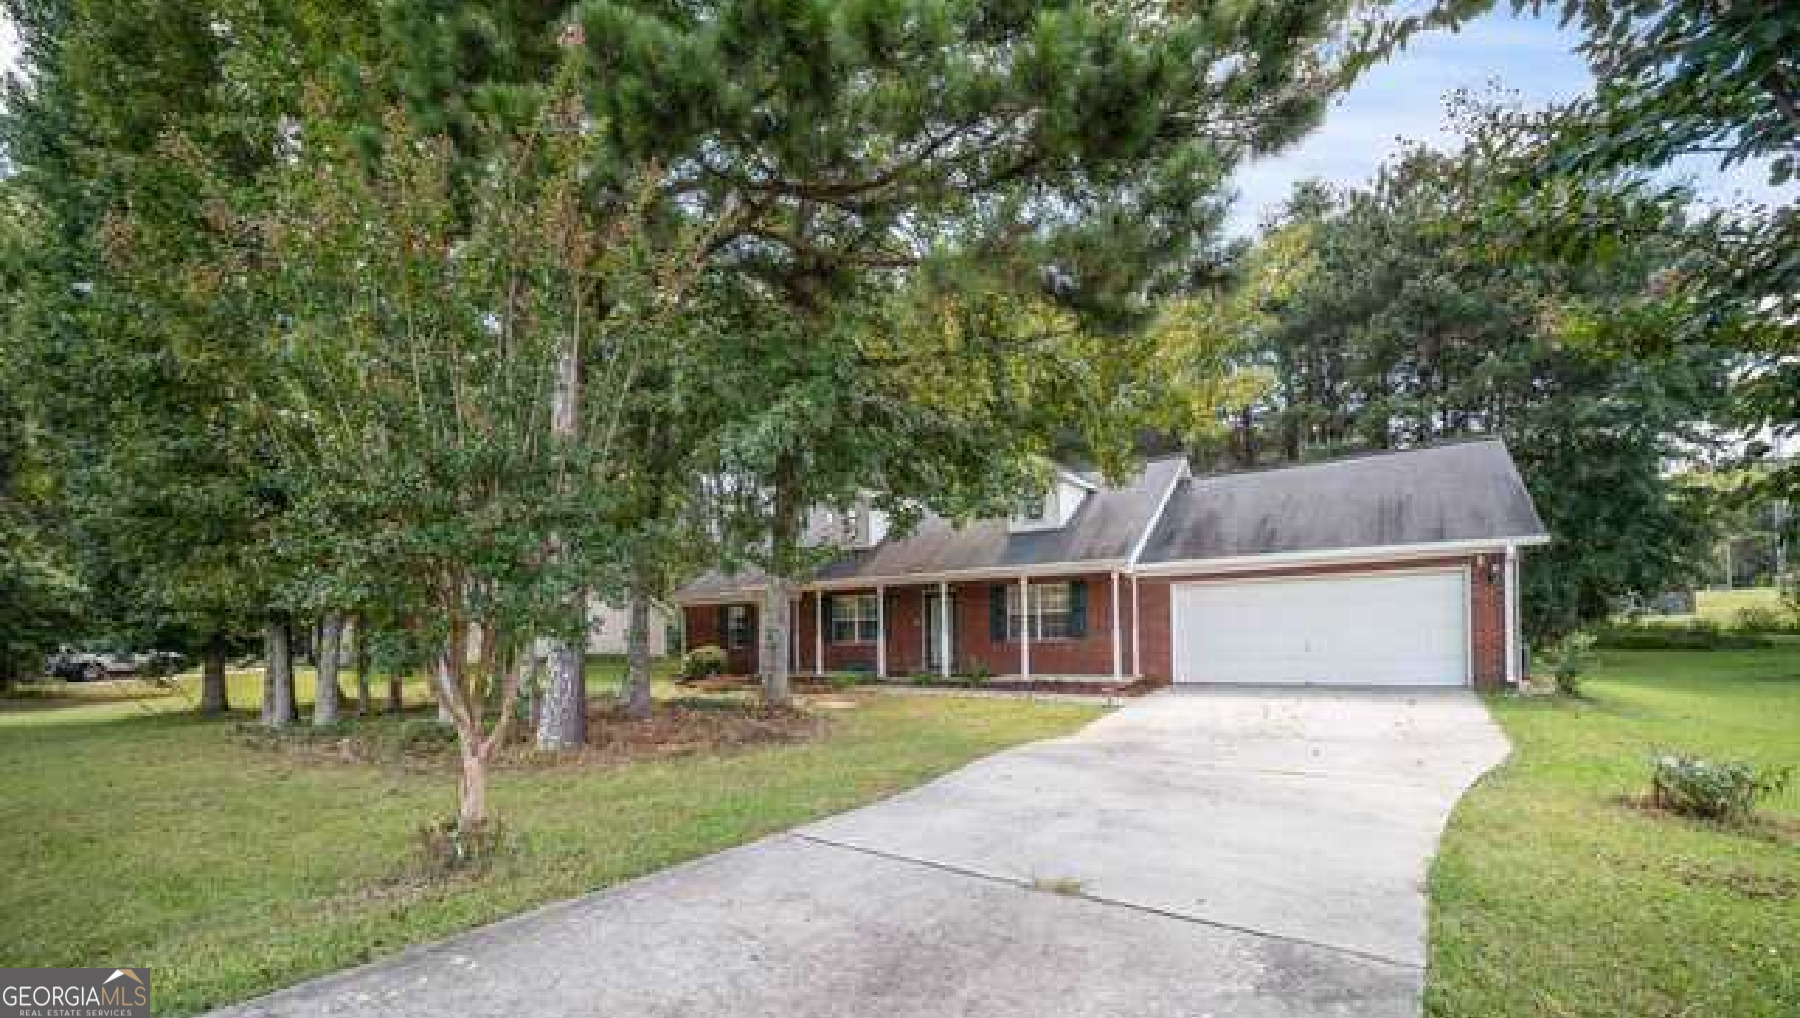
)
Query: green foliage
[
  {"x": 1726, "y": 791},
  {"x": 939, "y": 224},
  {"x": 703, "y": 661},
  {"x": 1696, "y": 634},
  {"x": 1766, "y": 620},
  {"x": 1678, "y": 82},
  {"x": 1416, "y": 323},
  {"x": 976, "y": 671},
  {"x": 1569, "y": 659}
]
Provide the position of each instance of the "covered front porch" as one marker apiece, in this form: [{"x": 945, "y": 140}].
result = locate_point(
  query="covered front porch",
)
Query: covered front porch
[{"x": 1024, "y": 627}]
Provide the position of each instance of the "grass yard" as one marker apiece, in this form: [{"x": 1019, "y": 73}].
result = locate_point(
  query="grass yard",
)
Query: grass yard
[
  {"x": 135, "y": 834},
  {"x": 1553, "y": 897}
]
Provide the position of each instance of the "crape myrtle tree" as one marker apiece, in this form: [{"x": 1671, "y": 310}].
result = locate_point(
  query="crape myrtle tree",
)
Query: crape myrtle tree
[
  {"x": 1068, "y": 152},
  {"x": 1419, "y": 322},
  {"x": 427, "y": 311}
]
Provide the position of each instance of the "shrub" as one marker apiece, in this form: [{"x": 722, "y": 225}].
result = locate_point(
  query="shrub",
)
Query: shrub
[
  {"x": 446, "y": 847},
  {"x": 977, "y": 671},
  {"x": 1712, "y": 790},
  {"x": 702, "y": 662},
  {"x": 1765, "y": 620},
  {"x": 1569, "y": 660},
  {"x": 843, "y": 680},
  {"x": 1700, "y": 634},
  {"x": 424, "y": 735}
]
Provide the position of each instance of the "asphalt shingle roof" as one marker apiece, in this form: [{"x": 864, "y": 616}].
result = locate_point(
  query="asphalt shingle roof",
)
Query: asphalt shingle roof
[
  {"x": 1468, "y": 491},
  {"x": 1106, "y": 528},
  {"x": 1463, "y": 492}
]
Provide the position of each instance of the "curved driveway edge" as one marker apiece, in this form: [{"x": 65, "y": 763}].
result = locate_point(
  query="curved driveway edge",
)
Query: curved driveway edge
[{"x": 1221, "y": 852}]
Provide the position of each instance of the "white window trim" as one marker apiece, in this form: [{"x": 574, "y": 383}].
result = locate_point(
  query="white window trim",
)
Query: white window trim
[
  {"x": 1036, "y": 609},
  {"x": 856, "y": 621}
]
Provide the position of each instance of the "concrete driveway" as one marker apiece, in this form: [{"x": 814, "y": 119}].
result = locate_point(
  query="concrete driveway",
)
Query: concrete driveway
[{"x": 1221, "y": 852}]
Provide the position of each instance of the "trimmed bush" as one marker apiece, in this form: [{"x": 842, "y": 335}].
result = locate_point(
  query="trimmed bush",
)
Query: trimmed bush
[
  {"x": 1726, "y": 791},
  {"x": 702, "y": 662},
  {"x": 1700, "y": 634}
]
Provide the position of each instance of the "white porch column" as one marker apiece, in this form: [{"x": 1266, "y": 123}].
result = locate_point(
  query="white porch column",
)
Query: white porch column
[
  {"x": 819, "y": 631},
  {"x": 1137, "y": 663},
  {"x": 1025, "y": 627},
  {"x": 943, "y": 629},
  {"x": 1118, "y": 645},
  {"x": 880, "y": 632},
  {"x": 1512, "y": 615}
]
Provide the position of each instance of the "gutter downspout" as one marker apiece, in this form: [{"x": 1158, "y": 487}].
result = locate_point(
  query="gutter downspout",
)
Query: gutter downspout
[{"x": 1512, "y": 616}]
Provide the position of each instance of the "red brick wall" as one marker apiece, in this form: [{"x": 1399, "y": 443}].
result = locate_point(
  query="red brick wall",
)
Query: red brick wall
[
  {"x": 1487, "y": 609},
  {"x": 702, "y": 626},
  {"x": 1091, "y": 655}
]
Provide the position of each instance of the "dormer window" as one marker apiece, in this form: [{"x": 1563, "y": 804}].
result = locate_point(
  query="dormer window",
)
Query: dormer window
[
  {"x": 1053, "y": 507},
  {"x": 852, "y": 529},
  {"x": 1036, "y": 512}
]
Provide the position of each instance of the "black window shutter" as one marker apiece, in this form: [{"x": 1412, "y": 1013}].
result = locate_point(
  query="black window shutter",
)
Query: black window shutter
[
  {"x": 997, "y": 614},
  {"x": 1078, "y": 609},
  {"x": 722, "y": 632}
]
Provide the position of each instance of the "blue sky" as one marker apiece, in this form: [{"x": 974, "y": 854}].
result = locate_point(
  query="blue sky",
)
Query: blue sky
[{"x": 1404, "y": 98}]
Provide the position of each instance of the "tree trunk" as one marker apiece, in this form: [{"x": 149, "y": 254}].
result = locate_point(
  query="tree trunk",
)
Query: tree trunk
[
  {"x": 472, "y": 810},
  {"x": 396, "y": 692},
  {"x": 325, "y": 692},
  {"x": 360, "y": 633},
  {"x": 279, "y": 706},
  {"x": 776, "y": 621},
  {"x": 634, "y": 699},
  {"x": 268, "y": 683},
  {"x": 445, "y": 674},
  {"x": 562, "y": 716},
  {"x": 214, "y": 699},
  {"x": 777, "y": 687},
  {"x": 562, "y": 724}
]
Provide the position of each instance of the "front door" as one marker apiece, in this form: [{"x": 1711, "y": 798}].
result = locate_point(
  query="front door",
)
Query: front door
[{"x": 933, "y": 630}]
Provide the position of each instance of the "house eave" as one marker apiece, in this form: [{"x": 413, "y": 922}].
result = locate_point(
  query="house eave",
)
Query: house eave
[
  {"x": 1335, "y": 556},
  {"x": 1077, "y": 568}
]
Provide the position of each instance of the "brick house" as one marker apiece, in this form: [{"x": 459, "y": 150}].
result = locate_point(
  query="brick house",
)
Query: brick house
[{"x": 1395, "y": 568}]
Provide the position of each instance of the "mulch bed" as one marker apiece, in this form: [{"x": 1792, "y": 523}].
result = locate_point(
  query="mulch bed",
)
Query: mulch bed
[
  {"x": 812, "y": 684},
  {"x": 681, "y": 728}
]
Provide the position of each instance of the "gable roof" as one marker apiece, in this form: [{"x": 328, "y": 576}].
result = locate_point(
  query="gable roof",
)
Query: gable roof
[
  {"x": 1469, "y": 491},
  {"x": 1106, "y": 528},
  {"x": 1463, "y": 492}
]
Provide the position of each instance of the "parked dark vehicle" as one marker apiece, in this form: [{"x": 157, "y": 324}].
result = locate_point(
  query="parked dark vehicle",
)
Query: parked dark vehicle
[{"x": 93, "y": 664}]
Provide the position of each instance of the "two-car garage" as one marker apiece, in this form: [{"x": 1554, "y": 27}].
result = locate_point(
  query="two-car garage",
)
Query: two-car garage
[{"x": 1390, "y": 628}]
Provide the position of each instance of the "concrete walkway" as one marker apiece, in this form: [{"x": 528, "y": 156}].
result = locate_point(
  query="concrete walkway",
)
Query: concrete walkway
[{"x": 1233, "y": 853}]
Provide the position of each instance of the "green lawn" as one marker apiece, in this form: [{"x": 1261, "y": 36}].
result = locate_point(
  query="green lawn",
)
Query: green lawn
[
  {"x": 136, "y": 835},
  {"x": 1551, "y": 897}
]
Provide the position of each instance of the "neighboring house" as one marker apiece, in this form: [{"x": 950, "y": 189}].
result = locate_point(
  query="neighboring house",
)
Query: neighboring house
[
  {"x": 607, "y": 624},
  {"x": 1395, "y": 568}
]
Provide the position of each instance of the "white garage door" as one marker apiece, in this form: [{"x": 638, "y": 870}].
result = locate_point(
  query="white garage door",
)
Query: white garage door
[{"x": 1389, "y": 629}]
